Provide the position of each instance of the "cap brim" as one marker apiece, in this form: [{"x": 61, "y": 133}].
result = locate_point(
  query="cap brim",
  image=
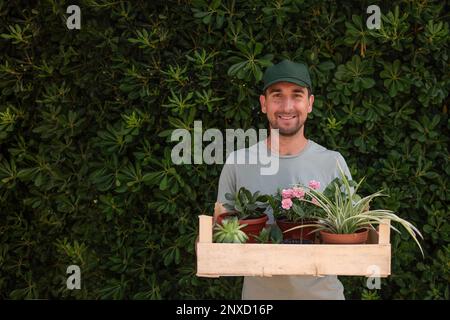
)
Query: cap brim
[{"x": 287, "y": 79}]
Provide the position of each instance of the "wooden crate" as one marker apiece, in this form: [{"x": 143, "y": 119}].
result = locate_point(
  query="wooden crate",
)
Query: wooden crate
[{"x": 255, "y": 259}]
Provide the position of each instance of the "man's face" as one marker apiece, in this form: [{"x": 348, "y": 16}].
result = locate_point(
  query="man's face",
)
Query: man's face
[{"x": 287, "y": 106}]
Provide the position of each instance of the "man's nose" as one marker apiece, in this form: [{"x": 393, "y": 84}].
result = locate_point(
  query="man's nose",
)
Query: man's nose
[{"x": 288, "y": 104}]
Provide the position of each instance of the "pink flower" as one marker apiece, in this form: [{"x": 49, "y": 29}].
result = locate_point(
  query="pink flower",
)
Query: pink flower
[
  {"x": 314, "y": 184},
  {"x": 298, "y": 192},
  {"x": 287, "y": 193},
  {"x": 286, "y": 203}
]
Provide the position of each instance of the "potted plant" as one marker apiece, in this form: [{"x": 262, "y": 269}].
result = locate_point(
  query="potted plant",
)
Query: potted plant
[
  {"x": 290, "y": 211},
  {"x": 230, "y": 231},
  {"x": 346, "y": 217},
  {"x": 270, "y": 234},
  {"x": 249, "y": 209}
]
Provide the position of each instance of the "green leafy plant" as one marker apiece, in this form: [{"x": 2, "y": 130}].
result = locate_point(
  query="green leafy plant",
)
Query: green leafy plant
[
  {"x": 270, "y": 234},
  {"x": 247, "y": 63},
  {"x": 245, "y": 204},
  {"x": 395, "y": 80},
  {"x": 394, "y": 29},
  {"x": 370, "y": 295},
  {"x": 357, "y": 34},
  {"x": 345, "y": 213},
  {"x": 436, "y": 34},
  {"x": 229, "y": 232},
  {"x": 17, "y": 34},
  {"x": 354, "y": 76}
]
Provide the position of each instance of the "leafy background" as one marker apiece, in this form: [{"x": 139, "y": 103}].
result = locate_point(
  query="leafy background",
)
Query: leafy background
[{"x": 86, "y": 116}]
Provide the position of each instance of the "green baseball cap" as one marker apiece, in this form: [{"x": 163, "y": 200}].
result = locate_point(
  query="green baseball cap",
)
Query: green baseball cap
[{"x": 287, "y": 71}]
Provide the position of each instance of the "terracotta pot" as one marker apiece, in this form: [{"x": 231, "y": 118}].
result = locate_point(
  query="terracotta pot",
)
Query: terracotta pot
[
  {"x": 360, "y": 237},
  {"x": 253, "y": 228},
  {"x": 297, "y": 234}
]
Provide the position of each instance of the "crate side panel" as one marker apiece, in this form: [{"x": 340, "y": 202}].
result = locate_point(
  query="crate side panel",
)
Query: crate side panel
[{"x": 272, "y": 259}]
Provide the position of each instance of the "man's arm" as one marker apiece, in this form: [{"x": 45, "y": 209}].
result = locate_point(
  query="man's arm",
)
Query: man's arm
[{"x": 227, "y": 184}]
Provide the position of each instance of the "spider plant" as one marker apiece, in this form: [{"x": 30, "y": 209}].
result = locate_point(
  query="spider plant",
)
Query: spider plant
[{"x": 345, "y": 212}]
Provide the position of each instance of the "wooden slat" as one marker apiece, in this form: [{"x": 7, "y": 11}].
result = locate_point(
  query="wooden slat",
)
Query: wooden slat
[
  {"x": 205, "y": 229},
  {"x": 385, "y": 232},
  {"x": 225, "y": 259}
]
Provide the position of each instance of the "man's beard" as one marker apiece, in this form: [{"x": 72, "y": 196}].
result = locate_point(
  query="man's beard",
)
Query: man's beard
[{"x": 287, "y": 132}]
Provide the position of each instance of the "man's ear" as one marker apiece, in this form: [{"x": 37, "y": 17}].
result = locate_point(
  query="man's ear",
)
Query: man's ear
[
  {"x": 262, "y": 102},
  {"x": 311, "y": 102}
]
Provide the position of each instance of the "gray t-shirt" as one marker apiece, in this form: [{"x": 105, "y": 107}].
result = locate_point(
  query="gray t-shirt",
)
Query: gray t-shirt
[{"x": 314, "y": 162}]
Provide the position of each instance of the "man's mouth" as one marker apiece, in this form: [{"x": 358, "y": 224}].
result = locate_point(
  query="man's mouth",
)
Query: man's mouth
[{"x": 286, "y": 117}]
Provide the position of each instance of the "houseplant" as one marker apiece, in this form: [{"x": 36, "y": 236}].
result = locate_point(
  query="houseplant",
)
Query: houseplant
[
  {"x": 345, "y": 216},
  {"x": 249, "y": 209},
  {"x": 270, "y": 234},
  {"x": 230, "y": 231},
  {"x": 290, "y": 211}
]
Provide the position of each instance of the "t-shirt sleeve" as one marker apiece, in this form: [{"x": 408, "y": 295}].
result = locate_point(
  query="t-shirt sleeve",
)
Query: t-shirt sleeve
[{"x": 227, "y": 180}]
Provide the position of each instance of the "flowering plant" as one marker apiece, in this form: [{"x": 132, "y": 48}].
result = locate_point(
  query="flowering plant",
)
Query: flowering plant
[{"x": 290, "y": 203}]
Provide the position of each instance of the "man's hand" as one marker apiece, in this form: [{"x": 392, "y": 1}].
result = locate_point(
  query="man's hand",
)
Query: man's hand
[{"x": 218, "y": 210}]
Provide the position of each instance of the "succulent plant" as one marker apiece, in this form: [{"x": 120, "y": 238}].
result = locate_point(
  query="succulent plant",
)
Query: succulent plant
[
  {"x": 230, "y": 231},
  {"x": 270, "y": 234},
  {"x": 245, "y": 204}
]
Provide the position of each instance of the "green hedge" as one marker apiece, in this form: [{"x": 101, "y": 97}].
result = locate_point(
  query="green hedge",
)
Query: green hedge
[{"x": 86, "y": 116}]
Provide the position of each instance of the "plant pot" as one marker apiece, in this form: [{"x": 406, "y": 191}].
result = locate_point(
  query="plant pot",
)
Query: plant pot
[
  {"x": 253, "y": 228},
  {"x": 359, "y": 237},
  {"x": 297, "y": 234}
]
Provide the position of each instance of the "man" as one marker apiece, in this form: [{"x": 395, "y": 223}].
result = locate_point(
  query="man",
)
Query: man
[{"x": 286, "y": 100}]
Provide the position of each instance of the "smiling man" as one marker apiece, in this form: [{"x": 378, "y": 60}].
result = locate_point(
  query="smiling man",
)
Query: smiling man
[{"x": 286, "y": 100}]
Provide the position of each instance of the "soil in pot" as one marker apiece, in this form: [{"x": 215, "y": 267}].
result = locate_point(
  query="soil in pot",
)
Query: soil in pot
[
  {"x": 297, "y": 241},
  {"x": 253, "y": 228},
  {"x": 360, "y": 237}
]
